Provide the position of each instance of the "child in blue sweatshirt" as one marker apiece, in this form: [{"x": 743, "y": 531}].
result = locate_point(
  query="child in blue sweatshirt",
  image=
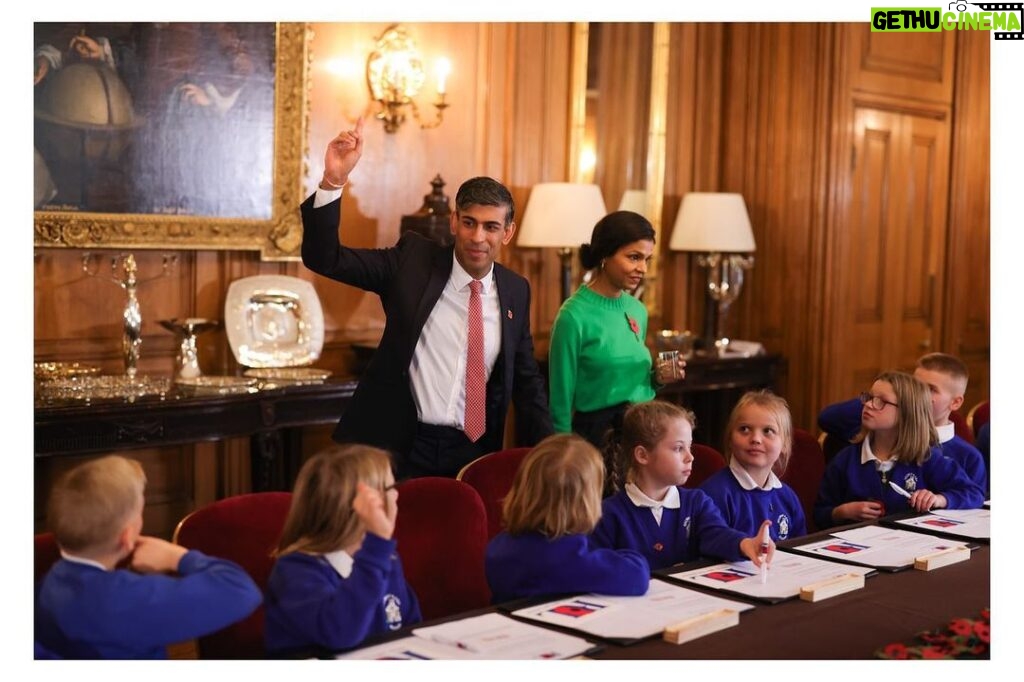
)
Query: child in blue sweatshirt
[
  {"x": 758, "y": 444},
  {"x": 898, "y": 445},
  {"x": 337, "y": 579},
  {"x": 86, "y": 607},
  {"x": 553, "y": 504},
  {"x": 653, "y": 514}
]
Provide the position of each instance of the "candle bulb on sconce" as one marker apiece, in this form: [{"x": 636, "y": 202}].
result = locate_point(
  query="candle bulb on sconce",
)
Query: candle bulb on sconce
[
  {"x": 394, "y": 74},
  {"x": 443, "y": 70}
]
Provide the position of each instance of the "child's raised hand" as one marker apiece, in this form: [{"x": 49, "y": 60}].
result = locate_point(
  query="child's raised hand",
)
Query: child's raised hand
[
  {"x": 923, "y": 500},
  {"x": 751, "y": 547},
  {"x": 153, "y": 555},
  {"x": 373, "y": 510}
]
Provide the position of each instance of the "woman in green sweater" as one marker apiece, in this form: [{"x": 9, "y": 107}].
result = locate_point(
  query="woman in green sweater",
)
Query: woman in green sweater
[{"x": 599, "y": 363}]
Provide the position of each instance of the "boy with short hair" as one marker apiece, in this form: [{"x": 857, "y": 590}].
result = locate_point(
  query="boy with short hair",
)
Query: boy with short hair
[
  {"x": 946, "y": 377},
  {"x": 88, "y": 608}
]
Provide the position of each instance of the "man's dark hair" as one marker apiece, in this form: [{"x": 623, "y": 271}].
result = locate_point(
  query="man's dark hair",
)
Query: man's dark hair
[{"x": 484, "y": 191}]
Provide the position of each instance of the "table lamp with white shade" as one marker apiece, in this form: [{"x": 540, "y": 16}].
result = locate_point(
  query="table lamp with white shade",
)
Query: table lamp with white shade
[
  {"x": 561, "y": 215},
  {"x": 716, "y": 226},
  {"x": 634, "y": 200}
]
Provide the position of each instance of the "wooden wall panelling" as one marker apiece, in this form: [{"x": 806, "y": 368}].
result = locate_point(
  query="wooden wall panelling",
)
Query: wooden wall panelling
[
  {"x": 693, "y": 150},
  {"x": 889, "y": 223},
  {"x": 775, "y": 147},
  {"x": 623, "y": 108},
  {"x": 914, "y": 66},
  {"x": 679, "y": 161},
  {"x": 967, "y": 291},
  {"x": 537, "y": 121}
]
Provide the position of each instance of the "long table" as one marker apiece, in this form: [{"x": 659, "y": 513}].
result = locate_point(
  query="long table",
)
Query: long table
[{"x": 891, "y": 607}]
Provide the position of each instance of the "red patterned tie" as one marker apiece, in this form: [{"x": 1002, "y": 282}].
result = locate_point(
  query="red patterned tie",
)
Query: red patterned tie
[{"x": 475, "y": 419}]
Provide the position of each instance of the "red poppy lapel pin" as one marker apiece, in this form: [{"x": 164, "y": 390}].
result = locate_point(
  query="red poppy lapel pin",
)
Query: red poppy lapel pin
[{"x": 633, "y": 326}]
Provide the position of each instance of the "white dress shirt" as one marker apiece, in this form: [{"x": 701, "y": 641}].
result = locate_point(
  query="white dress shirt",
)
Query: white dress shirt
[
  {"x": 438, "y": 368},
  {"x": 437, "y": 372}
]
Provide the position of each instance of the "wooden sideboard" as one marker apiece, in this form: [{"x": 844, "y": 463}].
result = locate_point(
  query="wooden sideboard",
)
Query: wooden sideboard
[{"x": 272, "y": 418}]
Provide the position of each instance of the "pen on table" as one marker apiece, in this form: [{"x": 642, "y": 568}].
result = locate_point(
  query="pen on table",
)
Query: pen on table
[{"x": 764, "y": 556}]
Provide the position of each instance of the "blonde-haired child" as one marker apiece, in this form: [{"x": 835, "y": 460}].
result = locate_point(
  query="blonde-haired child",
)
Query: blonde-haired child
[
  {"x": 337, "y": 579},
  {"x": 897, "y": 444},
  {"x": 758, "y": 444},
  {"x": 88, "y": 608},
  {"x": 553, "y": 504},
  {"x": 653, "y": 514}
]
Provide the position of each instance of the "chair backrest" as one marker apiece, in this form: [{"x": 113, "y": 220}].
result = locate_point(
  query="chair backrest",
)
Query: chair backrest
[
  {"x": 244, "y": 529},
  {"x": 706, "y": 461},
  {"x": 961, "y": 427},
  {"x": 803, "y": 475},
  {"x": 978, "y": 417},
  {"x": 441, "y": 531},
  {"x": 46, "y": 553},
  {"x": 491, "y": 476}
]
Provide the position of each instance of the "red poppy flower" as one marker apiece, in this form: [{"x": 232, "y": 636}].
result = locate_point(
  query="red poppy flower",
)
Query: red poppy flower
[
  {"x": 895, "y": 650},
  {"x": 934, "y": 652},
  {"x": 960, "y": 626},
  {"x": 634, "y": 326},
  {"x": 982, "y": 631}
]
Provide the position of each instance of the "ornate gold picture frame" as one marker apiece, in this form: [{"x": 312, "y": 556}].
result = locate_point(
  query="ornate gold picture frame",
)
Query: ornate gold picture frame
[{"x": 272, "y": 224}]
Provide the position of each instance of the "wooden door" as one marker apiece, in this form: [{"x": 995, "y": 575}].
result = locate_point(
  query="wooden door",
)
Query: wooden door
[{"x": 892, "y": 245}]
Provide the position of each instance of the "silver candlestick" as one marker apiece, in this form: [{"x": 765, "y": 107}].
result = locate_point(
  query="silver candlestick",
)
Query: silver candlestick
[{"x": 131, "y": 340}]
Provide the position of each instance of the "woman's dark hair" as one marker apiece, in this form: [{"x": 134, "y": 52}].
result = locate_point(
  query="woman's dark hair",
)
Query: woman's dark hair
[{"x": 611, "y": 233}]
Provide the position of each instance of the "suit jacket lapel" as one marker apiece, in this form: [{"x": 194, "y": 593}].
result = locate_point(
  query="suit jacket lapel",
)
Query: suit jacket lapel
[
  {"x": 440, "y": 271},
  {"x": 505, "y": 307}
]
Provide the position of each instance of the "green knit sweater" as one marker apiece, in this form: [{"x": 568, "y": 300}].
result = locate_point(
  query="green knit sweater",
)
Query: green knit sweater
[{"x": 596, "y": 358}]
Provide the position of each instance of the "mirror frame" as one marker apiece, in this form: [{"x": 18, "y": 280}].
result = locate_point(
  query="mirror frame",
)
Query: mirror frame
[{"x": 278, "y": 238}]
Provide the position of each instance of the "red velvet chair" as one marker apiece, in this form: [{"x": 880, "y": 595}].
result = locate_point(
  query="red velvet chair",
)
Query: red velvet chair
[
  {"x": 961, "y": 427},
  {"x": 46, "y": 553},
  {"x": 978, "y": 417},
  {"x": 244, "y": 529},
  {"x": 706, "y": 461},
  {"x": 441, "y": 531},
  {"x": 491, "y": 476},
  {"x": 803, "y": 475}
]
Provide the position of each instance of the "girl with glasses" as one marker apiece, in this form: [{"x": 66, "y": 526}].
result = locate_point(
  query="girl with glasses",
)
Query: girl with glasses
[{"x": 895, "y": 463}]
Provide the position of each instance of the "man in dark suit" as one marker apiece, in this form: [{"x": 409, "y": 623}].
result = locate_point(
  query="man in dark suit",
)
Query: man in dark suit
[{"x": 456, "y": 346}]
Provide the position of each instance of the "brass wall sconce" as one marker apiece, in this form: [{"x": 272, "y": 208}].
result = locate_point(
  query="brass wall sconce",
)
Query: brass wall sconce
[{"x": 394, "y": 74}]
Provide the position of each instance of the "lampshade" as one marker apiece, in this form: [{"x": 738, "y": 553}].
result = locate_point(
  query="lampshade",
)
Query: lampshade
[
  {"x": 712, "y": 222},
  {"x": 634, "y": 200},
  {"x": 561, "y": 214}
]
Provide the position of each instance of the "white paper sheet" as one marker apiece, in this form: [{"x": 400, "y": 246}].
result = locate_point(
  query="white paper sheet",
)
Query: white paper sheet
[
  {"x": 630, "y": 617},
  {"x": 787, "y": 574},
  {"x": 879, "y": 546},
  {"x": 969, "y": 523},
  {"x": 495, "y": 636},
  {"x": 491, "y": 636}
]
